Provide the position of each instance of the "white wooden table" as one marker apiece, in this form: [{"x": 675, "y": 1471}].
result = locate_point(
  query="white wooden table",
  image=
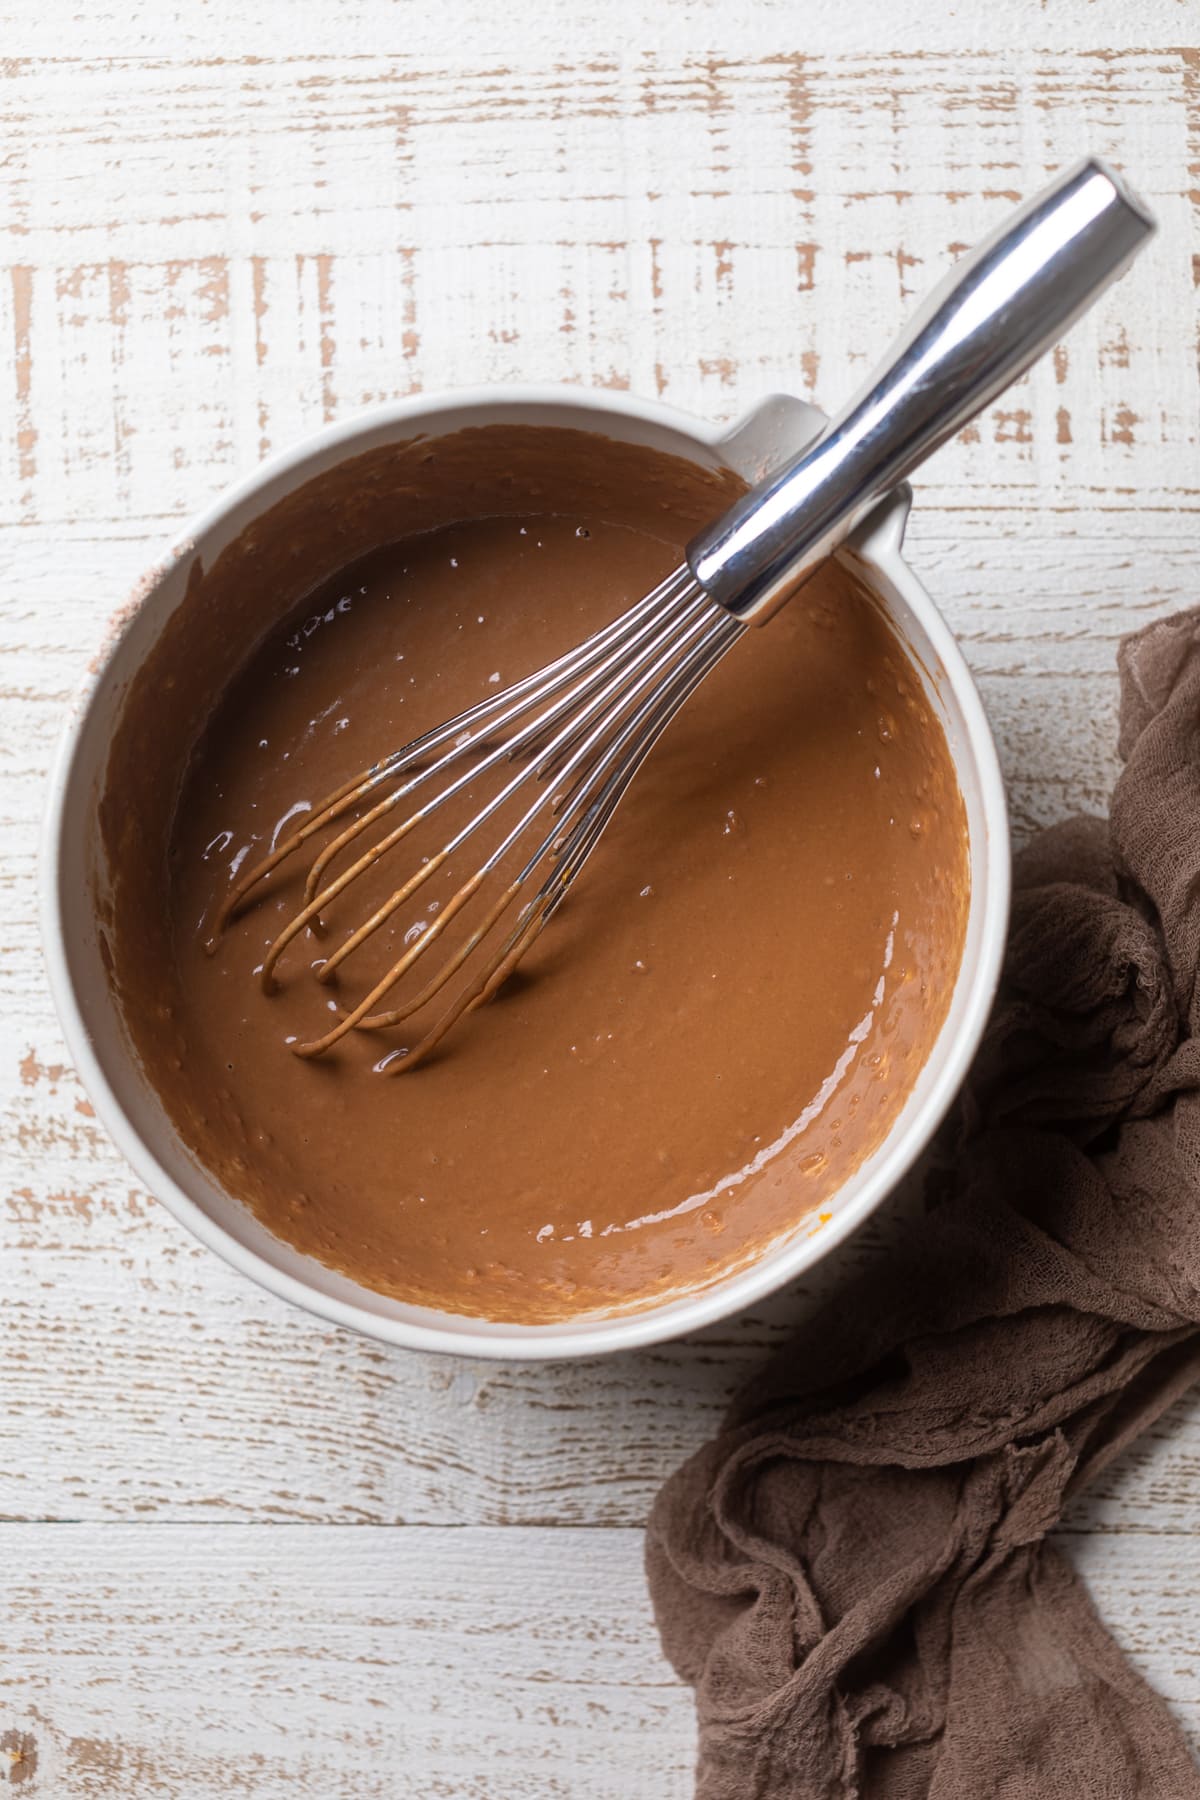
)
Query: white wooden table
[{"x": 244, "y": 1553}]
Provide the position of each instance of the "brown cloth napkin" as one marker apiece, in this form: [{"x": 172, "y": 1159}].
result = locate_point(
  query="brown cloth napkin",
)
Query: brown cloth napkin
[{"x": 854, "y": 1575}]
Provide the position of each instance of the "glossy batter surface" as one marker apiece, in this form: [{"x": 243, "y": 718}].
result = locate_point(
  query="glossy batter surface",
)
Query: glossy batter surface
[{"x": 715, "y": 1029}]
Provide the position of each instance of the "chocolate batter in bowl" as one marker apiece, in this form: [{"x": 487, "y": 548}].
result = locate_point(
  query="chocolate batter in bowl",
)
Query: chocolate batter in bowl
[{"x": 738, "y": 1031}]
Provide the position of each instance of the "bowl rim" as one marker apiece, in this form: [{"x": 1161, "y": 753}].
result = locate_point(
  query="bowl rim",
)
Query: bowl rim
[{"x": 877, "y": 549}]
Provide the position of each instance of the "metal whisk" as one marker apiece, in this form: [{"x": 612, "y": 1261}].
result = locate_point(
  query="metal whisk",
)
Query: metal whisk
[{"x": 562, "y": 746}]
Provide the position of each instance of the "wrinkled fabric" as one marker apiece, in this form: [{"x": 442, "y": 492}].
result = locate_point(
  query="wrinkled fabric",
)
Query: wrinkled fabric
[{"x": 854, "y": 1576}]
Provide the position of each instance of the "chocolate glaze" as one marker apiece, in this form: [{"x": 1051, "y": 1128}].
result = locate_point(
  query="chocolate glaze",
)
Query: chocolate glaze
[{"x": 720, "y": 1024}]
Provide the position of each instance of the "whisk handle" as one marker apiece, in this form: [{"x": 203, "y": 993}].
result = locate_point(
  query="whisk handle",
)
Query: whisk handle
[{"x": 993, "y": 315}]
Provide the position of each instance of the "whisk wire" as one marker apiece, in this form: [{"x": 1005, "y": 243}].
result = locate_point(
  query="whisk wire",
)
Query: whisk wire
[
  {"x": 598, "y": 697},
  {"x": 598, "y": 656},
  {"x": 579, "y": 728},
  {"x": 496, "y": 710},
  {"x": 662, "y": 648},
  {"x": 611, "y": 648},
  {"x": 582, "y": 839}
]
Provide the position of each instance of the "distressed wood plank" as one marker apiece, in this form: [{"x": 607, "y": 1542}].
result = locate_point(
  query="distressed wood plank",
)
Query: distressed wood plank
[
  {"x": 707, "y": 226},
  {"x": 181, "y": 29},
  {"x": 194, "y": 1661}
]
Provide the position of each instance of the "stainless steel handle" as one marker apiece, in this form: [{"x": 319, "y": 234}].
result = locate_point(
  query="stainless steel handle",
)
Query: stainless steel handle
[{"x": 993, "y": 315}]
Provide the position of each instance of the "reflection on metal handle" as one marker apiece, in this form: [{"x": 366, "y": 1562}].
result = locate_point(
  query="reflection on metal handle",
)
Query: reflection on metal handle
[{"x": 994, "y": 314}]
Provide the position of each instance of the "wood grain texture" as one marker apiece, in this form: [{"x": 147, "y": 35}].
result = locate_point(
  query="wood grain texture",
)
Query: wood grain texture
[
  {"x": 222, "y": 227},
  {"x": 394, "y": 1664},
  {"x": 362, "y": 1664}
]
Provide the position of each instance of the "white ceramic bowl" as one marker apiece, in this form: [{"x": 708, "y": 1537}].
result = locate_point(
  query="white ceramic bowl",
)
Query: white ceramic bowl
[{"x": 73, "y": 853}]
